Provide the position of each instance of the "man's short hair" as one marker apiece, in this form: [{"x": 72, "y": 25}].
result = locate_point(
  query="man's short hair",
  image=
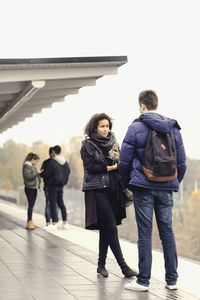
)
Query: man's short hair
[
  {"x": 149, "y": 98},
  {"x": 57, "y": 149},
  {"x": 50, "y": 150}
]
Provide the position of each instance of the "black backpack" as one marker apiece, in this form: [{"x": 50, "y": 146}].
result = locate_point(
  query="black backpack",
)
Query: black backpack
[
  {"x": 159, "y": 162},
  {"x": 65, "y": 172},
  {"x": 61, "y": 174}
]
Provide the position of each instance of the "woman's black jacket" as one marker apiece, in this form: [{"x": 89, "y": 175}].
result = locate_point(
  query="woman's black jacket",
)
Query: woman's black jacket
[{"x": 95, "y": 167}]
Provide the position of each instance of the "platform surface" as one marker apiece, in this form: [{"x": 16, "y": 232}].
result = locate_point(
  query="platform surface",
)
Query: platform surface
[{"x": 43, "y": 265}]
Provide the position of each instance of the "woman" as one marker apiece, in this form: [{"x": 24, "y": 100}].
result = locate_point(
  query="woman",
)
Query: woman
[
  {"x": 103, "y": 193},
  {"x": 31, "y": 182}
]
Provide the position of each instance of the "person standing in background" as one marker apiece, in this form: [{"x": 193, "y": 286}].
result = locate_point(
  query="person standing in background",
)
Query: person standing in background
[
  {"x": 31, "y": 182},
  {"x": 47, "y": 204},
  {"x": 56, "y": 175}
]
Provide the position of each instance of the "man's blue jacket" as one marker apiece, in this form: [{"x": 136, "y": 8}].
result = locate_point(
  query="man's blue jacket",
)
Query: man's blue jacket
[{"x": 133, "y": 146}]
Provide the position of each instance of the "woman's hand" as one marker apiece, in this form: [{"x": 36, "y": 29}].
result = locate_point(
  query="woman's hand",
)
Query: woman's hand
[
  {"x": 112, "y": 168},
  {"x": 115, "y": 154}
]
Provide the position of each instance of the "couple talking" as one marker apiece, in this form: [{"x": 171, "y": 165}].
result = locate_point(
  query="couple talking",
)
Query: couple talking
[{"x": 104, "y": 170}]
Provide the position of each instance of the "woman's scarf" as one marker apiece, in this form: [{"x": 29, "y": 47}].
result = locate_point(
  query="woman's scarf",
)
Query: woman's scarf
[{"x": 104, "y": 143}]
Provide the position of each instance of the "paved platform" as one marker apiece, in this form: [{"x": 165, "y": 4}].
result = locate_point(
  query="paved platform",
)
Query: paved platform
[{"x": 40, "y": 265}]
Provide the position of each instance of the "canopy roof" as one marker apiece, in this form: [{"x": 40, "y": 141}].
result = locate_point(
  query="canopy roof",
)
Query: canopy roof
[{"x": 29, "y": 85}]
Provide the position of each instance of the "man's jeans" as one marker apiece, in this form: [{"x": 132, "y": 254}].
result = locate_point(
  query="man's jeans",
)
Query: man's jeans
[
  {"x": 145, "y": 201},
  {"x": 56, "y": 198},
  {"x": 47, "y": 208}
]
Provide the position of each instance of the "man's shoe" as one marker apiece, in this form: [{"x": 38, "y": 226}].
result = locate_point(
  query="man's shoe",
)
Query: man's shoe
[
  {"x": 101, "y": 271},
  {"x": 128, "y": 272},
  {"x": 47, "y": 225},
  {"x": 171, "y": 287},
  {"x": 134, "y": 286},
  {"x": 52, "y": 227},
  {"x": 65, "y": 226}
]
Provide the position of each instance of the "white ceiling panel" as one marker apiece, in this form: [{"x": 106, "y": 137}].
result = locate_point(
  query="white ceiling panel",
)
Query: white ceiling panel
[{"x": 29, "y": 85}]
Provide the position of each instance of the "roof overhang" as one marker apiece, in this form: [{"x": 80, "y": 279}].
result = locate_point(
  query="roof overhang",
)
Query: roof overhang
[{"x": 29, "y": 85}]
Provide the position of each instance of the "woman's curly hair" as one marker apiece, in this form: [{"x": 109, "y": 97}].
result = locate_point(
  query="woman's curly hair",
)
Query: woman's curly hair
[{"x": 92, "y": 124}]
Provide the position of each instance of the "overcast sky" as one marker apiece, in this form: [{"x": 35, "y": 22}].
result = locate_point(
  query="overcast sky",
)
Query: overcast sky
[{"x": 160, "y": 38}]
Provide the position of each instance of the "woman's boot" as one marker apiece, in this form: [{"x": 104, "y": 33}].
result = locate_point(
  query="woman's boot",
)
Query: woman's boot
[
  {"x": 102, "y": 271},
  {"x": 30, "y": 225},
  {"x": 127, "y": 271},
  {"x": 34, "y": 225}
]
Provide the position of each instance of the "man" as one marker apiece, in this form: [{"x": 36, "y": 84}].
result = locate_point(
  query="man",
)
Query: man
[
  {"x": 47, "y": 206},
  {"x": 149, "y": 195},
  {"x": 56, "y": 175}
]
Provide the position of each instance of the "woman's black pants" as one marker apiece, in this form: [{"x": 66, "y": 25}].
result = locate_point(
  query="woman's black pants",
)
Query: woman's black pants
[
  {"x": 31, "y": 195},
  {"x": 108, "y": 233}
]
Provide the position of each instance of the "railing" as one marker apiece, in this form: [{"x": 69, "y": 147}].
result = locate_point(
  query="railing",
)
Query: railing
[
  {"x": 10, "y": 195},
  {"x": 74, "y": 201}
]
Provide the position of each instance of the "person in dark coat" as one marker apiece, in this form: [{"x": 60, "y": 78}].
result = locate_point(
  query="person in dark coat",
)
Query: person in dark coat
[
  {"x": 104, "y": 200},
  {"x": 151, "y": 196},
  {"x": 56, "y": 175},
  {"x": 47, "y": 205}
]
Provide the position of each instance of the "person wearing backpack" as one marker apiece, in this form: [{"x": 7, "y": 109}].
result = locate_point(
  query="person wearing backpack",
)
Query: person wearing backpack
[
  {"x": 47, "y": 204},
  {"x": 56, "y": 175},
  {"x": 152, "y": 165}
]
